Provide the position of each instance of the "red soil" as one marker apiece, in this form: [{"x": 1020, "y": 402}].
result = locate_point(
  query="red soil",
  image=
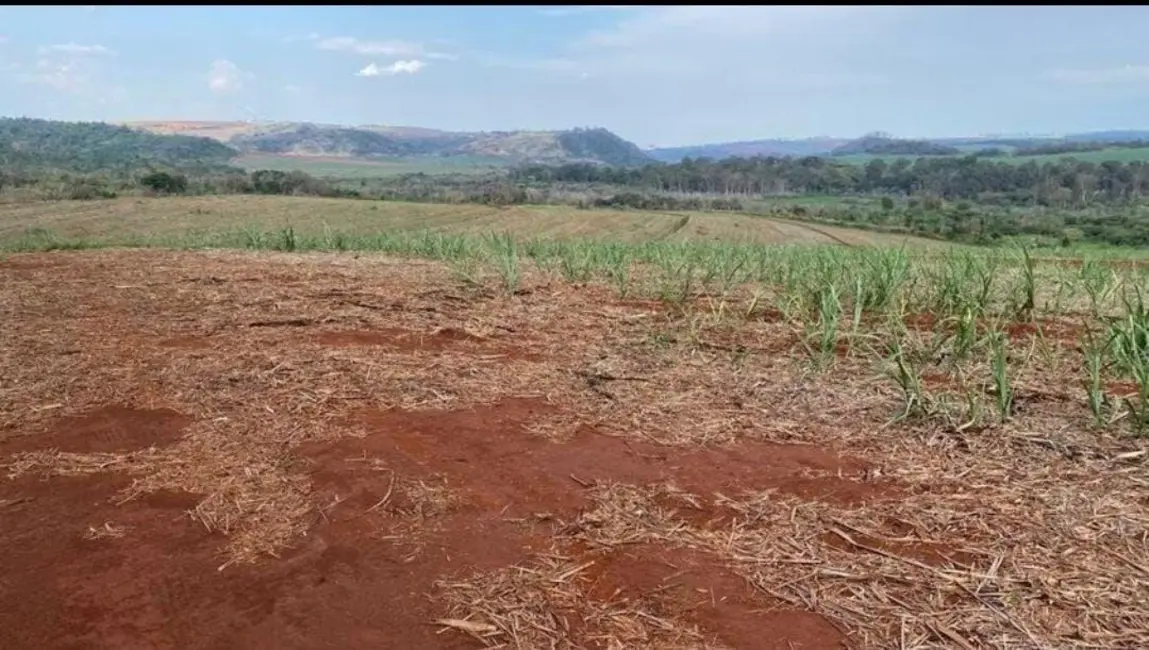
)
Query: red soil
[
  {"x": 106, "y": 429},
  {"x": 692, "y": 586},
  {"x": 349, "y": 583}
]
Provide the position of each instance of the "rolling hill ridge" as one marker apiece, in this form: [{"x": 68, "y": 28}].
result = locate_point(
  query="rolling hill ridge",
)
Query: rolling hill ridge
[
  {"x": 595, "y": 145},
  {"x": 884, "y": 144}
]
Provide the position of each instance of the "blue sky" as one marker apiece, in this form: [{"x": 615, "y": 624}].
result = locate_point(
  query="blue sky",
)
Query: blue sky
[{"x": 655, "y": 75}]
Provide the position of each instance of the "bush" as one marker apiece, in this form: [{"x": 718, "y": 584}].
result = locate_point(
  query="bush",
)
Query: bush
[{"x": 165, "y": 183}]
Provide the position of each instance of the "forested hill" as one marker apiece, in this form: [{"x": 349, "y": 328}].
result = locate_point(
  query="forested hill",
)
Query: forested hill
[
  {"x": 1065, "y": 182},
  {"x": 581, "y": 145},
  {"x": 883, "y": 145},
  {"x": 27, "y": 143}
]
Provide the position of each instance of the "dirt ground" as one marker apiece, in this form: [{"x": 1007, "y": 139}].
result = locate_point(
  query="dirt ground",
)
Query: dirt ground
[{"x": 227, "y": 450}]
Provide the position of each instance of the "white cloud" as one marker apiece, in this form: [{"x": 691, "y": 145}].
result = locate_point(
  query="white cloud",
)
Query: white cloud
[
  {"x": 74, "y": 49},
  {"x": 1122, "y": 75},
  {"x": 225, "y": 77},
  {"x": 376, "y": 48},
  {"x": 62, "y": 75},
  {"x": 70, "y": 68},
  {"x": 411, "y": 66}
]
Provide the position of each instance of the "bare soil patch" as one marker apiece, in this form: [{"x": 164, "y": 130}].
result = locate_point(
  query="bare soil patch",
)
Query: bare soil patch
[
  {"x": 105, "y": 429},
  {"x": 270, "y": 456}
]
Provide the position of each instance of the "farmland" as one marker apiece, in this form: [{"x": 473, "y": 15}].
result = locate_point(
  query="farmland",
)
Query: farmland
[
  {"x": 433, "y": 426},
  {"x": 319, "y": 223}
]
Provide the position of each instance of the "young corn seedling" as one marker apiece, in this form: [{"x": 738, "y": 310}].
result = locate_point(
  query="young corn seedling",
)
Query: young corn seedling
[
  {"x": 618, "y": 268},
  {"x": 1094, "y": 367},
  {"x": 677, "y": 282},
  {"x": 1130, "y": 341},
  {"x": 1025, "y": 301},
  {"x": 829, "y": 316},
  {"x": 999, "y": 362},
  {"x": 965, "y": 334},
  {"x": 908, "y": 377},
  {"x": 506, "y": 254},
  {"x": 577, "y": 264},
  {"x": 333, "y": 241},
  {"x": 253, "y": 238},
  {"x": 287, "y": 240}
]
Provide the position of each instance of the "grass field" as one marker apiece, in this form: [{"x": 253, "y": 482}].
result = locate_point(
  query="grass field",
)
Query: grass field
[
  {"x": 230, "y": 220},
  {"x": 363, "y": 168},
  {"x": 598, "y": 430}
]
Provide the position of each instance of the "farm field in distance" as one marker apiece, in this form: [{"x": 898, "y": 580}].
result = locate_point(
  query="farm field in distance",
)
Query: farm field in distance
[
  {"x": 230, "y": 221},
  {"x": 656, "y": 442}
]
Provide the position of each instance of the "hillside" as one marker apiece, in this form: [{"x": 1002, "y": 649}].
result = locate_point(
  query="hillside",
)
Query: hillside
[
  {"x": 883, "y": 145},
  {"x": 745, "y": 149},
  {"x": 377, "y": 141},
  {"x": 888, "y": 146},
  {"x": 92, "y": 146}
]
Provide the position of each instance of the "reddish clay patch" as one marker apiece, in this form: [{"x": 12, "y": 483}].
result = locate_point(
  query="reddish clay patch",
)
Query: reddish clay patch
[
  {"x": 486, "y": 451},
  {"x": 691, "y": 586},
  {"x": 1122, "y": 388},
  {"x": 937, "y": 380},
  {"x": 62, "y": 590},
  {"x": 34, "y": 264},
  {"x": 106, "y": 429},
  {"x": 771, "y": 315},
  {"x": 158, "y": 585},
  {"x": 512, "y": 482},
  {"x": 924, "y": 322},
  {"x": 1050, "y": 329}
]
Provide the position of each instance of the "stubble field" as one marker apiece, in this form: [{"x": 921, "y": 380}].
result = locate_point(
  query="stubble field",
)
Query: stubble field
[{"x": 665, "y": 445}]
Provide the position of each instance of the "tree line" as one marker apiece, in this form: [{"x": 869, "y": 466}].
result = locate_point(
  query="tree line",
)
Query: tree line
[{"x": 1066, "y": 183}]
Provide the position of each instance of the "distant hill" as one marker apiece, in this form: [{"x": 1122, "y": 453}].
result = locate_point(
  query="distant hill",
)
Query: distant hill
[
  {"x": 804, "y": 147},
  {"x": 95, "y": 146},
  {"x": 376, "y": 141},
  {"x": 1109, "y": 136},
  {"x": 885, "y": 145}
]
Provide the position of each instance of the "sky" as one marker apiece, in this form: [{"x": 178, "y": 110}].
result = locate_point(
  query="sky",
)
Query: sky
[{"x": 659, "y": 76}]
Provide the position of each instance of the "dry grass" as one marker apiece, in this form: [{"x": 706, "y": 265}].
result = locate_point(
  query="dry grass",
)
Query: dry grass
[
  {"x": 1031, "y": 534},
  {"x": 536, "y": 606},
  {"x": 196, "y": 216}
]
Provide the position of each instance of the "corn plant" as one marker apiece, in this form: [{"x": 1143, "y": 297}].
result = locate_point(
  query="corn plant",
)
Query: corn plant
[
  {"x": 965, "y": 334},
  {"x": 908, "y": 377},
  {"x": 999, "y": 363},
  {"x": 1129, "y": 337},
  {"x": 507, "y": 261},
  {"x": 1026, "y": 295},
  {"x": 829, "y": 316},
  {"x": 1094, "y": 366}
]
